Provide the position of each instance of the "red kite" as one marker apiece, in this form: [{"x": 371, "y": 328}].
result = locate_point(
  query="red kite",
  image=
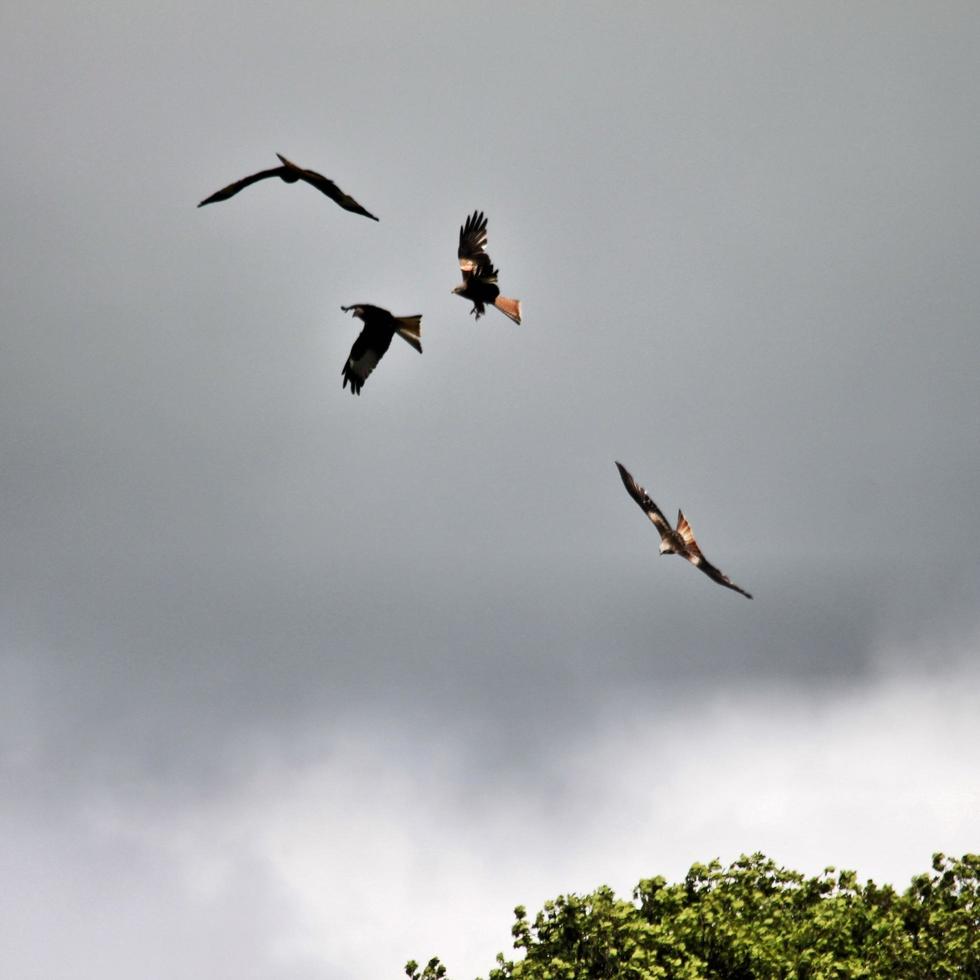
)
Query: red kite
[
  {"x": 479, "y": 275},
  {"x": 372, "y": 342},
  {"x": 675, "y": 542},
  {"x": 290, "y": 173}
]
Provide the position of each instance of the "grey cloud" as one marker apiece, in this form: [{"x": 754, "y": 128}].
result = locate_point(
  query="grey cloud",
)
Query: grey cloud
[{"x": 746, "y": 247}]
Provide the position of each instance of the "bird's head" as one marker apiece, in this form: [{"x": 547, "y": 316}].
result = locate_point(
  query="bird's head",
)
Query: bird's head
[
  {"x": 666, "y": 548},
  {"x": 356, "y": 310},
  {"x": 458, "y": 290}
]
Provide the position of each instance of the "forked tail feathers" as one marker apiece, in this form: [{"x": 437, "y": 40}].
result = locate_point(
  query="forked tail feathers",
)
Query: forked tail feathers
[
  {"x": 509, "y": 307},
  {"x": 410, "y": 330},
  {"x": 684, "y": 530}
]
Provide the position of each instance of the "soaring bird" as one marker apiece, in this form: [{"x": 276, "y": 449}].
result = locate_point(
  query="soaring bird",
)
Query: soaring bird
[
  {"x": 372, "y": 342},
  {"x": 675, "y": 542},
  {"x": 479, "y": 276},
  {"x": 290, "y": 173}
]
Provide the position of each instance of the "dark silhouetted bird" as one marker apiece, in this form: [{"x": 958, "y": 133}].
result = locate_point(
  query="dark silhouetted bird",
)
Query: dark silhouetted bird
[
  {"x": 372, "y": 342},
  {"x": 479, "y": 276},
  {"x": 675, "y": 542},
  {"x": 290, "y": 173}
]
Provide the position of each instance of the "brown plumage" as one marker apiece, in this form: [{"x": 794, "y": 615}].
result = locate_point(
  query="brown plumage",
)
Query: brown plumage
[
  {"x": 290, "y": 173},
  {"x": 479, "y": 276},
  {"x": 372, "y": 342},
  {"x": 675, "y": 542}
]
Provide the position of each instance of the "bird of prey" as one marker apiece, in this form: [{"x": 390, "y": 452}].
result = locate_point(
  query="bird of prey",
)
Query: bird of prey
[
  {"x": 479, "y": 276},
  {"x": 675, "y": 542},
  {"x": 290, "y": 173},
  {"x": 372, "y": 342}
]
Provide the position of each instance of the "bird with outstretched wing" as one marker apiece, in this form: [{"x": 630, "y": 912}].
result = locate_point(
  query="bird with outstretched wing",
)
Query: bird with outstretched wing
[
  {"x": 679, "y": 541},
  {"x": 479, "y": 284},
  {"x": 290, "y": 173}
]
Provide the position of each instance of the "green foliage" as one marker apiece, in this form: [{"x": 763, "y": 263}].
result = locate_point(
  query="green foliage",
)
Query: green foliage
[
  {"x": 754, "y": 921},
  {"x": 434, "y": 970}
]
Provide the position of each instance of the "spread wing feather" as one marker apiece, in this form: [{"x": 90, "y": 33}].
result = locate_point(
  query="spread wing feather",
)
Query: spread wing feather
[
  {"x": 371, "y": 345},
  {"x": 368, "y": 349},
  {"x": 472, "y": 251},
  {"x": 699, "y": 561},
  {"x": 643, "y": 500}
]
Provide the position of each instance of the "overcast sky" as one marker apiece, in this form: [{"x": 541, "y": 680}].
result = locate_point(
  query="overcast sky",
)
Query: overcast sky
[{"x": 300, "y": 685}]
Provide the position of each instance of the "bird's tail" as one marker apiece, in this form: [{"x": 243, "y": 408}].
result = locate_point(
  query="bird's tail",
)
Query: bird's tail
[
  {"x": 410, "y": 330},
  {"x": 289, "y": 165},
  {"x": 509, "y": 307},
  {"x": 685, "y": 531}
]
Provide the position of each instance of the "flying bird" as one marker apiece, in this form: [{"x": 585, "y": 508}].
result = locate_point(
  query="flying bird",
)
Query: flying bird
[
  {"x": 675, "y": 542},
  {"x": 290, "y": 173},
  {"x": 372, "y": 342},
  {"x": 479, "y": 276}
]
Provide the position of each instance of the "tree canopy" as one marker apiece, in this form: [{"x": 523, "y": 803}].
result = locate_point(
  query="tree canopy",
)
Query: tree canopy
[{"x": 754, "y": 921}]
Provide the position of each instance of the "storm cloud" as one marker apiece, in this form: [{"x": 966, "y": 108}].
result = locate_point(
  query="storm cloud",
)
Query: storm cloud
[{"x": 302, "y": 685}]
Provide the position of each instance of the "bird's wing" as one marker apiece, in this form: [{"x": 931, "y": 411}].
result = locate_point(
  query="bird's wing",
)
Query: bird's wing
[
  {"x": 646, "y": 504},
  {"x": 368, "y": 349},
  {"x": 484, "y": 271},
  {"x": 472, "y": 252},
  {"x": 326, "y": 186},
  {"x": 232, "y": 189},
  {"x": 698, "y": 560},
  {"x": 363, "y": 359}
]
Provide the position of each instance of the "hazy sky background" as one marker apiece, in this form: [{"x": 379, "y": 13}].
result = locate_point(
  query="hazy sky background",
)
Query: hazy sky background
[{"x": 300, "y": 685}]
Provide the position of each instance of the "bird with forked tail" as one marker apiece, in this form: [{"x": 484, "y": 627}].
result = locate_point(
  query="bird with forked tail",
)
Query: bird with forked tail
[
  {"x": 479, "y": 284},
  {"x": 675, "y": 542},
  {"x": 374, "y": 340}
]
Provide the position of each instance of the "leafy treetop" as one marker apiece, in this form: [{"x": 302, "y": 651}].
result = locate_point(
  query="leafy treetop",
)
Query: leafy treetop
[{"x": 754, "y": 921}]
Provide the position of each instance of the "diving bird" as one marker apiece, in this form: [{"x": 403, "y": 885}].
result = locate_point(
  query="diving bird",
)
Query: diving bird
[
  {"x": 372, "y": 342},
  {"x": 290, "y": 173},
  {"x": 675, "y": 542},
  {"x": 479, "y": 276}
]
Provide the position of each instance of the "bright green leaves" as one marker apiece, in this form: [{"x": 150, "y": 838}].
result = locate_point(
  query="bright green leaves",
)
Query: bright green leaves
[
  {"x": 755, "y": 921},
  {"x": 434, "y": 970}
]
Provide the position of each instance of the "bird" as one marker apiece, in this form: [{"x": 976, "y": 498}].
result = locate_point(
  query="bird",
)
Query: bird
[
  {"x": 676, "y": 542},
  {"x": 479, "y": 276},
  {"x": 290, "y": 173},
  {"x": 374, "y": 339}
]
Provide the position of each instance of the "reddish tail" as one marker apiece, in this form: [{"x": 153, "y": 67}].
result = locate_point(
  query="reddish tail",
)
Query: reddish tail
[
  {"x": 410, "y": 330},
  {"x": 509, "y": 307}
]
